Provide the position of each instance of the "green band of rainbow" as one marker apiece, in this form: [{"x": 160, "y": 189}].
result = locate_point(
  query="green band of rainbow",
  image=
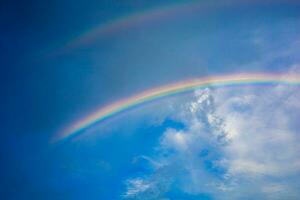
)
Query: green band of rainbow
[{"x": 168, "y": 90}]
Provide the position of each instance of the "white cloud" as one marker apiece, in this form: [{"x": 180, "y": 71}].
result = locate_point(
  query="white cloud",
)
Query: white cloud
[
  {"x": 149, "y": 187},
  {"x": 175, "y": 139},
  {"x": 261, "y": 133},
  {"x": 238, "y": 142},
  {"x": 136, "y": 186}
]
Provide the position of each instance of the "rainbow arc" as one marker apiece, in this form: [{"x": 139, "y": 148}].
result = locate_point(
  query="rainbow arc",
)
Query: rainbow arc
[{"x": 173, "y": 89}]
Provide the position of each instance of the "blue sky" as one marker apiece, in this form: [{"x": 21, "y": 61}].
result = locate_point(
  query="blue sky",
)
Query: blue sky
[{"x": 192, "y": 146}]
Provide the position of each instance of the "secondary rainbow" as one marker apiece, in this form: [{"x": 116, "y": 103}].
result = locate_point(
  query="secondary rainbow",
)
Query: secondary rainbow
[
  {"x": 151, "y": 15},
  {"x": 172, "y": 89},
  {"x": 144, "y": 16},
  {"x": 130, "y": 20}
]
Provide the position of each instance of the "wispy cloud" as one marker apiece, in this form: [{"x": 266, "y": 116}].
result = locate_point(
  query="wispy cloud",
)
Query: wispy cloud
[{"x": 136, "y": 186}]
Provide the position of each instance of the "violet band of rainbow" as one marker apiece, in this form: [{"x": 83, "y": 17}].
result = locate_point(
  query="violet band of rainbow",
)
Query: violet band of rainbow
[{"x": 172, "y": 89}]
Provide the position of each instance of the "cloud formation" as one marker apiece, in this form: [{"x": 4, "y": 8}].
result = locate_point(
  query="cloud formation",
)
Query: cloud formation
[{"x": 238, "y": 142}]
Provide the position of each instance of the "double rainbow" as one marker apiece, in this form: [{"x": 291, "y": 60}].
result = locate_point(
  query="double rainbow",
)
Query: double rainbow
[{"x": 173, "y": 89}]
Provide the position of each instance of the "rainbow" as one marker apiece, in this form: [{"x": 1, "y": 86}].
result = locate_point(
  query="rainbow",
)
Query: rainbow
[
  {"x": 172, "y": 89},
  {"x": 158, "y": 13},
  {"x": 131, "y": 20}
]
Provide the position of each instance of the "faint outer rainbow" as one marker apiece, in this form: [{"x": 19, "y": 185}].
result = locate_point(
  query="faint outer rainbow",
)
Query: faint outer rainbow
[
  {"x": 172, "y": 89},
  {"x": 158, "y": 13},
  {"x": 130, "y": 20}
]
